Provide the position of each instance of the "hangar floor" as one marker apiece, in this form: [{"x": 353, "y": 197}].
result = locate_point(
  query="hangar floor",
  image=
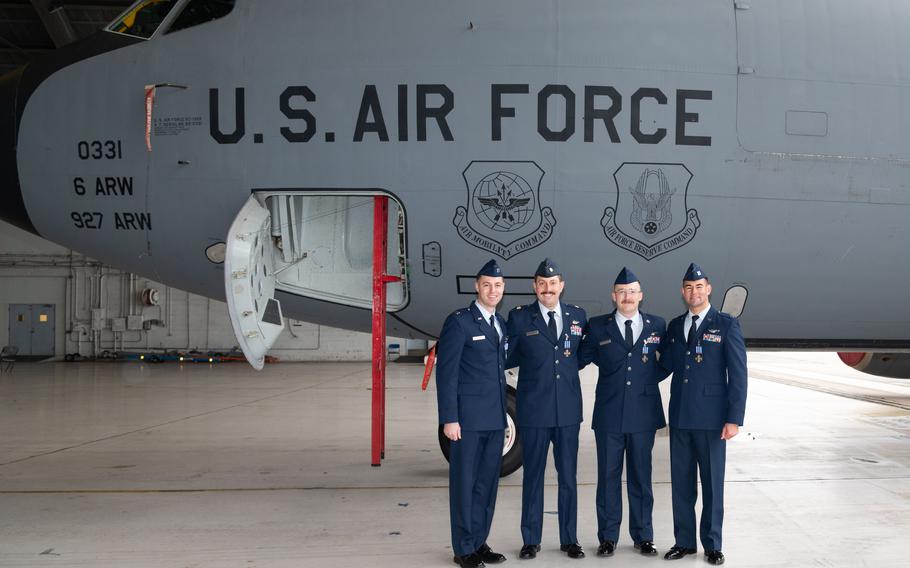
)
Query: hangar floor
[{"x": 113, "y": 465}]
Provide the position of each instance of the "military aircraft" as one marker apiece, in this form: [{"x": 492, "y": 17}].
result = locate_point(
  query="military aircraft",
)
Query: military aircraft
[{"x": 213, "y": 143}]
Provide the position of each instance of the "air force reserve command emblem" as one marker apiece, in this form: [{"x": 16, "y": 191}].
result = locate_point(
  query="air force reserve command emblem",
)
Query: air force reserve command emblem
[
  {"x": 650, "y": 217},
  {"x": 503, "y": 215}
]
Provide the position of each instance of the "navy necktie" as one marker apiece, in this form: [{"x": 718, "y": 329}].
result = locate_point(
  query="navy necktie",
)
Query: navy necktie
[
  {"x": 690, "y": 339},
  {"x": 493, "y": 325},
  {"x": 552, "y": 325},
  {"x": 629, "y": 341}
]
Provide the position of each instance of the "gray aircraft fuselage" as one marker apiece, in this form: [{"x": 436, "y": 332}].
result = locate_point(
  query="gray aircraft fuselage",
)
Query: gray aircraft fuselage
[{"x": 766, "y": 141}]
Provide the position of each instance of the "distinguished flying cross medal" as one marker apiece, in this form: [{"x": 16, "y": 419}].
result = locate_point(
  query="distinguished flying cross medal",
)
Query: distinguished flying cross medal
[
  {"x": 698, "y": 357},
  {"x": 567, "y": 344},
  {"x": 644, "y": 354}
]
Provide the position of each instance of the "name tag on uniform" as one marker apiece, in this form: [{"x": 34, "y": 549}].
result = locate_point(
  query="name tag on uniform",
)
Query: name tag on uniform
[
  {"x": 530, "y": 333},
  {"x": 479, "y": 337},
  {"x": 711, "y": 337},
  {"x": 606, "y": 341}
]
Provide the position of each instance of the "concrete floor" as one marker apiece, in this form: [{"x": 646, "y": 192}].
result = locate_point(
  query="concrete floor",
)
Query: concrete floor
[{"x": 120, "y": 465}]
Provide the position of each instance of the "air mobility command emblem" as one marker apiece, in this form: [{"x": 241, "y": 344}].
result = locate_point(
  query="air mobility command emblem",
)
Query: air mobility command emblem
[
  {"x": 651, "y": 216},
  {"x": 503, "y": 214}
]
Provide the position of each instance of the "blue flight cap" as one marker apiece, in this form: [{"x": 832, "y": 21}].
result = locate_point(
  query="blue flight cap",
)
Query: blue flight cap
[
  {"x": 547, "y": 269},
  {"x": 625, "y": 276},
  {"x": 490, "y": 269},
  {"x": 694, "y": 273}
]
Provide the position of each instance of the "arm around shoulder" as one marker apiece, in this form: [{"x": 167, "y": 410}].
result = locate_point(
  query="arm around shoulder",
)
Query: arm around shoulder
[
  {"x": 737, "y": 372},
  {"x": 664, "y": 366},
  {"x": 512, "y": 333}
]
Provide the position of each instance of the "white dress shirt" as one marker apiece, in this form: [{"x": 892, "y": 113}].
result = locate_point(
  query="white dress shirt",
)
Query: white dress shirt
[
  {"x": 546, "y": 317},
  {"x": 637, "y": 325},
  {"x": 486, "y": 317},
  {"x": 701, "y": 319}
]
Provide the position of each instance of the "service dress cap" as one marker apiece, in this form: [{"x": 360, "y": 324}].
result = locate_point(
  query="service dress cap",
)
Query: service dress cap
[
  {"x": 491, "y": 268},
  {"x": 625, "y": 276},
  {"x": 547, "y": 269},
  {"x": 694, "y": 273}
]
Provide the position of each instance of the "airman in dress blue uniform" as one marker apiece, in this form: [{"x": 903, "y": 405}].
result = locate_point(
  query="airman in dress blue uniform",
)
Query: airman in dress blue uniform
[
  {"x": 704, "y": 349},
  {"x": 544, "y": 337},
  {"x": 627, "y": 411},
  {"x": 471, "y": 393}
]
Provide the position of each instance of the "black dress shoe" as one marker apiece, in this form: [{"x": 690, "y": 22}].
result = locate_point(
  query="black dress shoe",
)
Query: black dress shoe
[
  {"x": 529, "y": 551},
  {"x": 606, "y": 548},
  {"x": 574, "y": 550},
  {"x": 472, "y": 560},
  {"x": 488, "y": 556},
  {"x": 646, "y": 547},
  {"x": 677, "y": 552},
  {"x": 715, "y": 557}
]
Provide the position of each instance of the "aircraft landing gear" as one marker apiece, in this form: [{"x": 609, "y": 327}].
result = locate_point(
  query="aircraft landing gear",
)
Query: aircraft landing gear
[{"x": 511, "y": 448}]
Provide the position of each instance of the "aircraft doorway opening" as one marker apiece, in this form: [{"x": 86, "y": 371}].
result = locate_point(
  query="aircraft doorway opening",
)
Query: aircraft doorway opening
[{"x": 312, "y": 244}]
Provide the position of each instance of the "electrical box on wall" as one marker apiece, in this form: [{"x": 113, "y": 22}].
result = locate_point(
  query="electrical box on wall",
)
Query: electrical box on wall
[
  {"x": 118, "y": 324},
  {"x": 97, "y": 319},
  {"x": 134, "y": 323}
]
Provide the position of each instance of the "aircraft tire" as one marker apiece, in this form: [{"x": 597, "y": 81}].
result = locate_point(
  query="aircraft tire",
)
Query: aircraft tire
[{"x": 511, "y": 459}]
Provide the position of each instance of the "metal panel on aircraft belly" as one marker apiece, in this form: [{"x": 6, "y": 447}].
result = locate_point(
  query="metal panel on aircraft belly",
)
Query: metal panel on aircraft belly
[{"x": 827, "y": 59}]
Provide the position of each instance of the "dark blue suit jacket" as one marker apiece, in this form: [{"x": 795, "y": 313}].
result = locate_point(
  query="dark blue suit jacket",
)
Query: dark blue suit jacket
[
  {"x": 470, "y": 372},
  {"x": 628, "y": 397},
  {"x": 549, "y": 393},
  {"x": 706, "y": 394}
]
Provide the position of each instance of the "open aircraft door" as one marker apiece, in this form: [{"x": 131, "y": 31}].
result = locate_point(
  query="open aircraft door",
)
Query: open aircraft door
[
  {"x": 312, "y": 244},
  {"x": 249, "y": 278}
]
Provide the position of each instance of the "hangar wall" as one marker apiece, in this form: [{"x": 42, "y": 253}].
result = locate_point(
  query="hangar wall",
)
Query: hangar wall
[{"x": 98, "y": 309}]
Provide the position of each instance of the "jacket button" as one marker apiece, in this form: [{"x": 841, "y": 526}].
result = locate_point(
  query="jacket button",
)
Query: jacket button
[
  {"x": 555, "y": 347},
  {"x": 628, "y": 368},
  {"x": 557, "y": 376},
  {"x": 688, "y": 353},
  {"x": 685, "y": 380},
  {"x": 629, "y": 355},
  {"x": 628, "y": 382},
  {"x": 687, "y": 366},
  {"x": 557, "y": 361}
]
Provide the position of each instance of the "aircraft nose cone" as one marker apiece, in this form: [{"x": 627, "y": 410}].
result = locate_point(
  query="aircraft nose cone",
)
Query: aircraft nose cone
[{"x": 12, "y": 206}]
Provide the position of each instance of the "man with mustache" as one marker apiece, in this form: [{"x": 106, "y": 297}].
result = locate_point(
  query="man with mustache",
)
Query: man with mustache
[
  {"x": 544, "y": 337},
  {"x": 627, "y": 412}
]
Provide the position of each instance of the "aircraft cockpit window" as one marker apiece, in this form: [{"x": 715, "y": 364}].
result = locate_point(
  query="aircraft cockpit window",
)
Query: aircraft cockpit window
[
  {"x": 201, "y": 11},
  {"x": 143, "y": 18}
]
